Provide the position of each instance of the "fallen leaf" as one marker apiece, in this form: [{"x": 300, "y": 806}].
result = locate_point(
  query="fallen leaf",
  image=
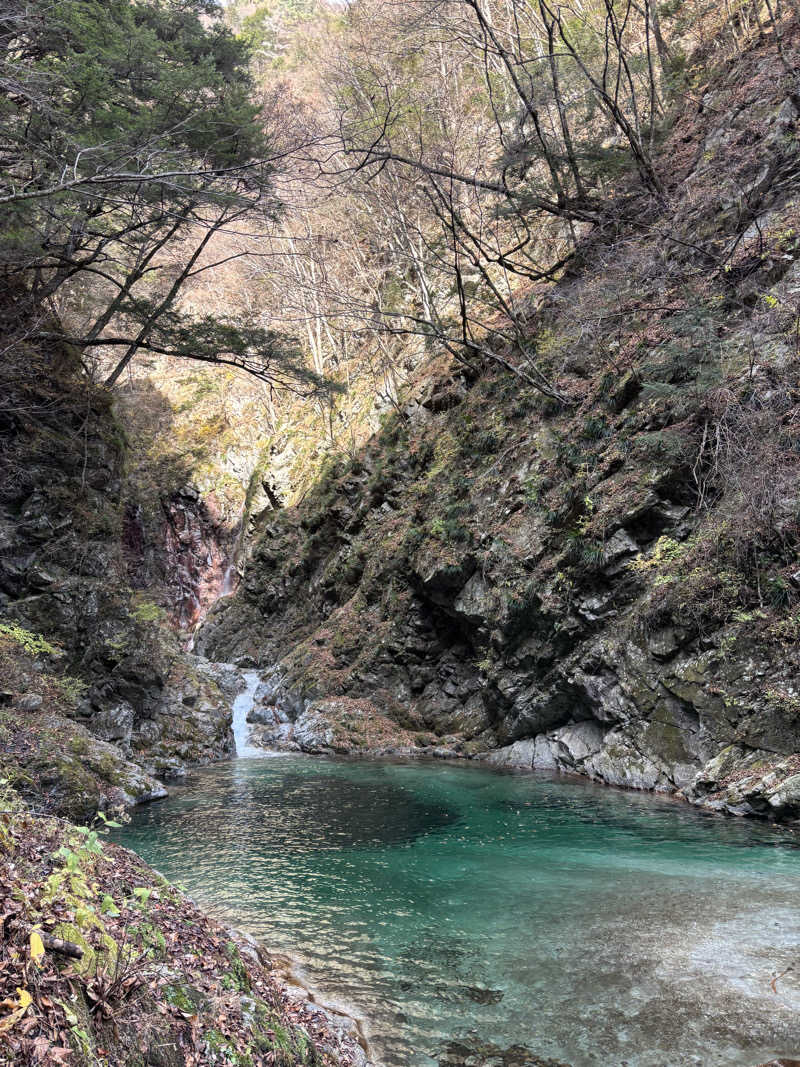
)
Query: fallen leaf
[
  {"x": 20, "y": 1007},
  {"x": 37, "y": 946}
]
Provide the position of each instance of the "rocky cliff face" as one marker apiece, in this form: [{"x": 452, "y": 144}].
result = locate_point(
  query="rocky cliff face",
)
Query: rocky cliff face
[
  {"x": 187, "y": 552},
  {"x": 100, "y": 702},
  {"x": 605, "y": 587}
]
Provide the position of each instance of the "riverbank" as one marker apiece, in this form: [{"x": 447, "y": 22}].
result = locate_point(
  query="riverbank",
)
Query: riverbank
[
  {"x": 104, "y": 962},
  {"x": 337, "y": 1015}
]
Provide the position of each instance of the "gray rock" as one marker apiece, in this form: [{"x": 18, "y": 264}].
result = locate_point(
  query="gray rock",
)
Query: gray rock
[
  {"x": 263, "y": 716},
  {"x": 114, "y": 724},
  {"x": 166, "y": 768},
  {"x": 30, "y": 702},
  {"x": 287, "y": 703},
  {"x": 786, "y": 794},
  {"x": 527, "y": 707},
  {"x": 132, "y": 785},
  {"x": 619, "y": 762},
  {"x": 596, "y": 608},
  {"x": 618, "y": 550},
  {"x": 278, "y": 736},
  {"x": 313, "y": 732},
  {"x": 147, "y": 733},
  {"x": 786, "y": 115},
  {"x": 534, "y": 754},
  {"x": 748, "y": 782},
  {"x": 577, "y": 742},
  {"x": 475, "y": 601},
  {"x": 564, "y": 749},
  {"x": 440, "y": 581},
  {"x": 603, "y": 693},
  {"x": 144, "y": 794},
  {"x": 269, "y": 690},
  {"x": 520, "y": 754},
  {"x": 664, "y": 643}
]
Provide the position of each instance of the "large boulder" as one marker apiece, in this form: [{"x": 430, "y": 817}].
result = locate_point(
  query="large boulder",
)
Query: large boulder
[{"x": 115, "y": 724}]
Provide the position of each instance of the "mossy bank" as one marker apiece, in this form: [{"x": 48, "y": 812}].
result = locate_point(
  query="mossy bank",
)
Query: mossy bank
[{"x": 103, "y": 962}]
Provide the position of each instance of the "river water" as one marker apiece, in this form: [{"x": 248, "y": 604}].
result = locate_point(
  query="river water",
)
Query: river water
[{"x": 448, "y": 902}]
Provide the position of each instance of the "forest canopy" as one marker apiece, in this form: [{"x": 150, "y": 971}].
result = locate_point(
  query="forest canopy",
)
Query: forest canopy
[
  {"x": 388, "y": 179},
  {"x": 127, "y": 128}
]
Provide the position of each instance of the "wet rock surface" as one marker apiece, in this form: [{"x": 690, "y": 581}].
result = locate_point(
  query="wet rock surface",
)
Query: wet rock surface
[
  {"x": 281, "y": 721},
  {"x": 484, "y": 1054},
  {"x": 196, "y": 555}
]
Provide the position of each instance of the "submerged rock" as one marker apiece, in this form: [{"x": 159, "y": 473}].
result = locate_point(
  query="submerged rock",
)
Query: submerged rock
[
  {"x": 475, "y": 1053},
  {"x": 484, "y": 996}
]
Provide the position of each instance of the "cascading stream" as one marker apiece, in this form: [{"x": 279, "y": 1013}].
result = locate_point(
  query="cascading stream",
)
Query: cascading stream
[
  {"x": 227, "y": 588},
  {"x": 242, "y": 706}
]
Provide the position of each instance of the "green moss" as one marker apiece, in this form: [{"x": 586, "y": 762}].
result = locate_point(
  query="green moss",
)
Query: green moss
[
  {"x": 237, "y": 977},
  {"x": 93, "y": 957},
  {"x": 72, "y": 689},
  {"x": 666, "y": 740},
  {"x": 152, "y": 940},
  {"x": 146, "y": 611},
  {"x": 80, "y": 1035},
  {"x": 185, "y": 997},
  {"x": 448, "y": 529},
  {"x": 222, "y": 1051},
  {"x": 74, "y": 775},
  {"x": 109, "y": 769},
  {"x": 290, "y": 1047}
]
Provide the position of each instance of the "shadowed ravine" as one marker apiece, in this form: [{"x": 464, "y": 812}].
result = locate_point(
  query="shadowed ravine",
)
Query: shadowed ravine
[{"x": 443, "y": 902}]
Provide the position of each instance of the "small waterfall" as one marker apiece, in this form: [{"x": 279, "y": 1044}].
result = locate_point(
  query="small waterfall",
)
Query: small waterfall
[
  {"x": 241, "y": 707},
  {"x": 228, "y": 581},
  {"x": 227, "y": 588}
]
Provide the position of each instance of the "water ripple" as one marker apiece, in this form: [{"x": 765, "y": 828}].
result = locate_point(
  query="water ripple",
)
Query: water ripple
[{"x": 448, "y": 902}]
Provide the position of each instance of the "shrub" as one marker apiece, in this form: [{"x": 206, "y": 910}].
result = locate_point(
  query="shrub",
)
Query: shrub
[
  {"x": 32, "y": 643},
  {"x": 147, "y": 611}
]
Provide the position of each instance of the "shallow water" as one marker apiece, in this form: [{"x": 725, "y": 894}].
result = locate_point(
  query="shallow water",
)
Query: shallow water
[{"x": 448, "y": 901}]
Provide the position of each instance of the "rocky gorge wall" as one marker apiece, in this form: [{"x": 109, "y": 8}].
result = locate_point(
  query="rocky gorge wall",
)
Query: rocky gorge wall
[
  {"x": 606, "y": 586},
  {"x": 100, "y": 704}
]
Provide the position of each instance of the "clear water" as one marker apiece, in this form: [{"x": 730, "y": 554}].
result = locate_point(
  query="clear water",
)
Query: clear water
[{"x": 444, "y": 901}]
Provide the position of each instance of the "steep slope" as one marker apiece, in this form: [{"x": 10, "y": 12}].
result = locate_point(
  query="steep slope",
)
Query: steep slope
[
  {"x": 104, "y": 962},
  {"x": 609, "y": 586},
  {"x": 99, "y": 702}
]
